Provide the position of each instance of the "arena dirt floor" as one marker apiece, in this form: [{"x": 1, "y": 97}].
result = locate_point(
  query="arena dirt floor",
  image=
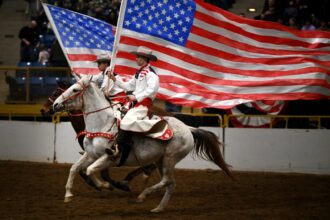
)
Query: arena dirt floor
[{"x": 35, "y": 191}]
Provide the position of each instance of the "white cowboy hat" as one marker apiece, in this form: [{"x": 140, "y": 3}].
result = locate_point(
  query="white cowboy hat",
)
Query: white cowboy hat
[
  {"x": 144, "y": 52},
  {"x": 103, "y": 58}
]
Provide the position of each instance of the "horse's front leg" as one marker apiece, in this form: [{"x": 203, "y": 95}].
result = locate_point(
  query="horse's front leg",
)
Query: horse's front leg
[
  {"x": 82, "y": 163},
  {"x": 100, "y": 164}
]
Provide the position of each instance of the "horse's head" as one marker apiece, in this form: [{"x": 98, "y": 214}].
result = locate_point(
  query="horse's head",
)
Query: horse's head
[
  {"x": 47, "y": 108},
  {"x": 72, "y": 98}
]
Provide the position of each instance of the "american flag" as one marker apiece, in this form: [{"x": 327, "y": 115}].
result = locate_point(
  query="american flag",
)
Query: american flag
[
  {"x": 81, "y": 37},
  {"x": 208, "y": 57}
]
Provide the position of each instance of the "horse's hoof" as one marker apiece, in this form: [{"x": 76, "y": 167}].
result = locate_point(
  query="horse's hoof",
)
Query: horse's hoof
[
  {"x": 156, "y": 210},
  {"x": 138, "y": 200},
  {"x": 68, "y": 199}
]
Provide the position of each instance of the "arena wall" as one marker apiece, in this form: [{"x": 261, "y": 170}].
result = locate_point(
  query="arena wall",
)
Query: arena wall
[{"x": 275, "y": 150}]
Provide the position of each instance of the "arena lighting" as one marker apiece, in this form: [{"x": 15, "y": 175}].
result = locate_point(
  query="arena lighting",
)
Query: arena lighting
[{"x": 251, "y": 10}]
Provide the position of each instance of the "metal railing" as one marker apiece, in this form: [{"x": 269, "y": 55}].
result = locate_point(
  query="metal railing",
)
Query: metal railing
[{"x": 223, "y": 121}]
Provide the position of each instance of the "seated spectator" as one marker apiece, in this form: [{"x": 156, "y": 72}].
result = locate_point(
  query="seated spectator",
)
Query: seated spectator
[
  {"x": 82, "y": 6},
  {"x": 29, "y": 38},
  {"x": 270, "y": 15},
  {"x": 43, "y": 55},
  {"x": 293, "y": 23},
  {"x": 324, "y": 26},
  {"x": 308, "y": 26},
  {"x": 291, "y": 11}
]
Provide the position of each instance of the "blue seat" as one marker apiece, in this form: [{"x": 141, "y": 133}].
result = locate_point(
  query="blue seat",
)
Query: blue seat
[
  {"x": 20, "y": 80},
  {"x": 36, "y": 80},
  {"x": 22, "y": 73},
  {"x": 37, "y": 73},
  {"x": 37, "y": 64},
  {"x": 51, "y": 80},
  {"x": 24, "y": 64}
]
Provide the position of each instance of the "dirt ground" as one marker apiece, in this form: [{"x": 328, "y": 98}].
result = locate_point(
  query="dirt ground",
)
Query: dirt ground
[{"x": 36, "y": 191}]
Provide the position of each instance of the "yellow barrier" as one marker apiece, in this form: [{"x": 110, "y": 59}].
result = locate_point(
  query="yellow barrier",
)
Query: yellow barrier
[{"x": 33, "y": 111}]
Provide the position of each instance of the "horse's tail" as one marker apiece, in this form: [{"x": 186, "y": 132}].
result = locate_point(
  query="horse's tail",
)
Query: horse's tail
[{"x": 207, "y": 146}]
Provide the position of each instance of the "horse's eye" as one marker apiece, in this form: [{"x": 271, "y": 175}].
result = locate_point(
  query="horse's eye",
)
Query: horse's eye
[{"x": 75, "y": 90}]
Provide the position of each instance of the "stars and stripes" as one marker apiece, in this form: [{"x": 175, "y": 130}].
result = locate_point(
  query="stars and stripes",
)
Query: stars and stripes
[
  {"x": 208, "y": 57},
  {"x": 81, "y": 37},
  {"x": 165, "y": 19}
]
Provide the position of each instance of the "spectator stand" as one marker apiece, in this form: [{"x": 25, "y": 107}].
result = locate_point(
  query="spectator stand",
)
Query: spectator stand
[{"x": 33, "y": 81}]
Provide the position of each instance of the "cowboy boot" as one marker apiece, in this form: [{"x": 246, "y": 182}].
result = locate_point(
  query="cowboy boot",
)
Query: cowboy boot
[{"x": 124, "y": 141}]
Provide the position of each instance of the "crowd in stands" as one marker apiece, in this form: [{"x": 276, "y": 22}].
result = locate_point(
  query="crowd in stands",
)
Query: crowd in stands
[{"x": 298, "y": 14}]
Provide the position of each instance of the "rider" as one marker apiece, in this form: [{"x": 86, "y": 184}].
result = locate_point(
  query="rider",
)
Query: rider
[
  {"x": 103, "y": 62},
  {"x": 145, "y": 85},
  {"x": 110, "y": 90}
]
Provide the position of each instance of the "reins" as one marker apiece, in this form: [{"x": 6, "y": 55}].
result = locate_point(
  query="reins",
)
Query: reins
[
  {"x": 81, "y": 93},
  {"x": 87, "y": 113}
]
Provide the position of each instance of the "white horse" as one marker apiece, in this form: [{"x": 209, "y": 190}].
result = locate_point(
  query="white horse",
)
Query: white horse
[{"x": 99, "y": 119}]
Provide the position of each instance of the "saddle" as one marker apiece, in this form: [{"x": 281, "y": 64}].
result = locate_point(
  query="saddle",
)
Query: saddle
[{"x": 123, "y": 144}]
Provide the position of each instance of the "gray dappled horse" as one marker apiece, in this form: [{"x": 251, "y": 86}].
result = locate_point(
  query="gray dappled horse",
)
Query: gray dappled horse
[
  {"x": 99, "y": 118},
  {"x": 78, "y": 124}
]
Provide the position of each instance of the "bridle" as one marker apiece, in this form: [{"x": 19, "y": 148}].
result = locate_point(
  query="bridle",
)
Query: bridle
[
  {"x": 51, "y": 99},
  {"x": 80, "y": 95}
]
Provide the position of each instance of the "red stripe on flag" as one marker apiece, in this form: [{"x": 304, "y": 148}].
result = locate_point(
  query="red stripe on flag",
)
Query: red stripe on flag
[
  {"x": 234, "y": 43},
  {"x": 264, "y": 39},
  {"x": 86, "y": 70},
  {"x": 82, "y": 57}
]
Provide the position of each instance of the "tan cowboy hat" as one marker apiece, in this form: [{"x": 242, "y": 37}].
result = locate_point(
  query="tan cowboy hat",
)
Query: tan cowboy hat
[
  {"x": 144, "y": 52},
  {"x": 103, "y": 58}
]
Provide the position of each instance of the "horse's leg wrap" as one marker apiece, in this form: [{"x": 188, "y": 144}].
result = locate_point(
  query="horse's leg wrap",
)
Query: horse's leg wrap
[
  {"x": 88, "y": 180},
  {"x": 122, "y": 185}
]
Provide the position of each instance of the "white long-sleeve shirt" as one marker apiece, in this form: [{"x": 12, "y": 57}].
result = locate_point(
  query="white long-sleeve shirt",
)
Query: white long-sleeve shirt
[
  {"x": 146, "y": 84},
  {"x": 98, "y": 78}
]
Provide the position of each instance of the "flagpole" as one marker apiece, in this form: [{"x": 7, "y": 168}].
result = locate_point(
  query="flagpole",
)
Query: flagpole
[
  {"x": 118, "y": 32},
  {"x": 106, "y": 81}
]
